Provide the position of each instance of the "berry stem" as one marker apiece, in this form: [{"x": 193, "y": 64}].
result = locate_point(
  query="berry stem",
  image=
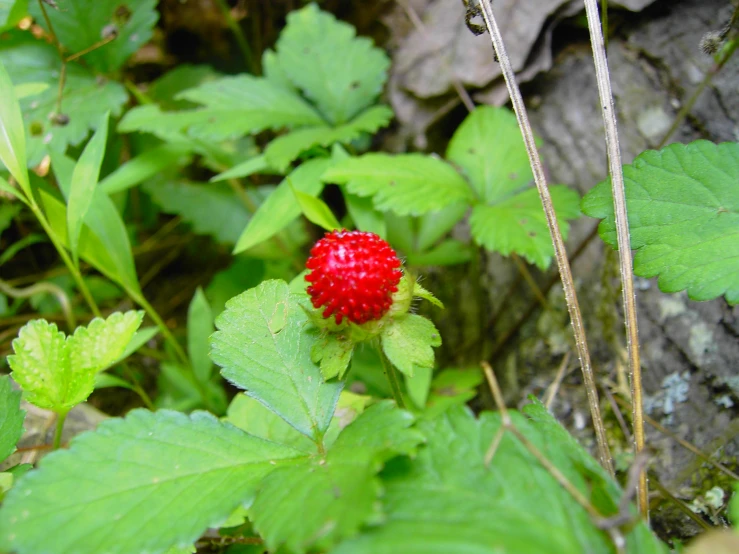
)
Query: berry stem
[{"x": 392, "y": 378}]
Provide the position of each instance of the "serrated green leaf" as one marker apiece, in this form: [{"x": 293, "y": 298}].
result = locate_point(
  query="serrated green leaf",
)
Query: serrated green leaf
[
  {"x": 145, "y": 166},
  {"x": 408, "y": 184},
  {"x": 489, "y": 149},
  {"x": 83, "y": 184},
  {"x": 285, "y": 149},
  {"x": 315, "y": 210},
  {"x": 165, "y": 90},
  {"x": 408, "y": 342},
  {"x": 333, "y": 353},
  {"x": 258, "y": 164},
  {"x": 192, "y": 471},
  {"x": 315, "y": 504},
  {"x": 56, "y": 372},
  {"x": 12, "y": 138},
  {"x": 80, "y": 24},
  {"x": 40, "y": 364},
  {"x": 85, "y": 99},
  {"x": 199, "y": 328},
  {"x": 236, "y": 106},
  {"x": 281, "y": 208},
  {"x": 11, "y": 12},
  {"x": 197, "y": 204},
  {"x": 683, "y": 209},
  {"x": 519, "y": 225},
  {"x": 447, "y": 500},
  {"x": 340, "y": 72},
  {"x": 139, "y": 339},
  {"x": 103, "y": 341},
  {"x": 11, "y": 417},
  {"x": 272, "y": 362},
  {"x": 452, "y": 387}
]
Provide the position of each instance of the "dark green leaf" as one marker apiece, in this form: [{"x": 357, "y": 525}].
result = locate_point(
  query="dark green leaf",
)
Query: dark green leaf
[
  {"x": 341, "y": 73},
  {"x": 518, "y": 224},
  {"x": 408, "y": 184},
  {"x": 11, "y": 12},
  {"x": 199, "y": 328},
  {"x": 81, "y": 24},
  {"x": 683, "y": 209},
  {"x": 145, "y": 166}
]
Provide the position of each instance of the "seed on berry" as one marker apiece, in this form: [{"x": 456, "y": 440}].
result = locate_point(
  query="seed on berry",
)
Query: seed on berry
[{"x": 354, "y": 275}]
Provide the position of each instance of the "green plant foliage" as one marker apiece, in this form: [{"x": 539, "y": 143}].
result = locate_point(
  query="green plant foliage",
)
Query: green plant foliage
[
  {"x": 333, "y": 353},
  {"x": 683, "y": 209},
  {"x": 196, "y": 204},
  {"x": 518, "y": 224},
  {"x": 58, "y": 372},
  {"x": 281, "y": 207},
  {"x": 81, "y": 24},
  {"x": 83, "y": 184},
  {"x": 145, "y": 166},
  {"x": 447, "y": 500},
  {"x": 85, "y": 97},
  {"x": 316, "y": 210},
  {"x": 734, "y": 506},
  {"x": 407, "y": 184},
  {"x": 244, "y": 273},
  {"x": 408, "y": 342},
  {"x": 192, "y": 471},
  {"x": 343, "y": 74},
  {"x": 452, "y": 387},
  {"x": 262, "y": 347},
  {"x": 331, "y": 497},
  {"x": 199, "y": 328},
  {"x": 12, "y": 140},
  {"x": 11, "y": 12},
  {"x": 285, "y": 149},
  {"x": 489, "y": 150},
  {"x": 11, "y": 417}
]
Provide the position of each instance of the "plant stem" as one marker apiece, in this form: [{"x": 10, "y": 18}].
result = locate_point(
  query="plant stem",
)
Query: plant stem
[
  {"x": 624, "y": 241},
  {"x": 59, "y": 428},
  {"x": 73, "y": 268},
  {"x": 239, "y": 35},
  {"x": 44, "y": 287},
  {"x": 392, "y": 378},
  {"x": 563, "y": 264}
]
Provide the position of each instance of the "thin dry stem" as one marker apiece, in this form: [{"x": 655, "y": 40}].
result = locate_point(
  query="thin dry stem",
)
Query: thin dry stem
[
  {"x": 565, "y": 272},
  {"x": 554, "y": 387},
  {"x": 624, "y": 241}
]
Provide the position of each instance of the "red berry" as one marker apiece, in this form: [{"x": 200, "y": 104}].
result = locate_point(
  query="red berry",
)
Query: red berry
[{"x": 354, "y": 275}]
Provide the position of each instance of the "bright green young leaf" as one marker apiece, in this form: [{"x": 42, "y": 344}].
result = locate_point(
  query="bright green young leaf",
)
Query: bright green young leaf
[
  {"x": 258, "y": 164},
  {"x": 262, "y": 346},
  {"x": 408, "y": 342},
  {"x": 12, "y": 138},
  {"x": 285, "y": 149},
  {"x": 193, "y": 472},
  {"x": 340, "y": 72},
  {"x": 418, "y": 385},
  {"x": 683, "y": 209},
  {"x": 30, "y": 89},
  {"x": 57, "y": 372},
  {"x": 199, "y": 328},
  {"x": 197, "y": 204},
  {"x": 317, "y": 503},
  {"x": 103, "y": 227},
  {"x": 80, "y": 24},
  {"x": 447, "y": 500},
  {"x": 490, "y": 151},
  {"x": 86, "y": 97},
  {"x": 145, "y": 166},
  {"x": 408, "y": 184},
  {"x": 420, "y": 292},
  {"x": 734, "y": 506},
  {"x": 333, "y": 355},
  {"x": 11, "y": 12},
  {"x": 83, "y": 184},
  {"x": 106, "y": 381},
  {"x": 236, "y": 106},
  {"x": 141, "y": 337},
  {"x": 8, "y": 189},
  {"x": 281, "y": 207},
  {"x": 518, "y": 224},
  {"x": 315, "y": 210},
  {"x": 11, "y": 417}
]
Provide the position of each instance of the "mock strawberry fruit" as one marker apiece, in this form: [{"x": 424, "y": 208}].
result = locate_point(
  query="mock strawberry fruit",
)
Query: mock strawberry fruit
[{"x": 354, "y": 275}]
